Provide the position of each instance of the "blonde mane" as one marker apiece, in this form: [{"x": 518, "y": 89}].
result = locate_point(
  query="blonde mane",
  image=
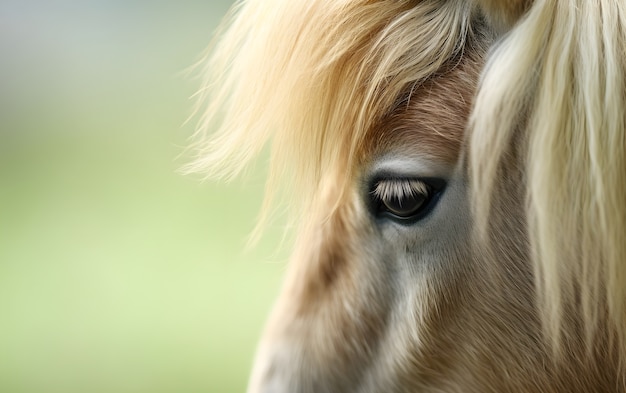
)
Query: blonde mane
[
  {"x": 313, "y": 77},
  {"x": 556, "y": 84}
]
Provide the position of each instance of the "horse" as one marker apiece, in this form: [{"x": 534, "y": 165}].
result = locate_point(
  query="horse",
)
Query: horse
[{"x": 455, "y": 171}]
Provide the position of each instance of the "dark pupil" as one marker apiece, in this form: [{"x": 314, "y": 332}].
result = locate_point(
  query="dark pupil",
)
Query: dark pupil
[{"x": 405, "y": 206}]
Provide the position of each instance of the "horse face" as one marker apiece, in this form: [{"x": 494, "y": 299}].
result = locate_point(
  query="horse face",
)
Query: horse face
[
  {"x": 394, "y": 284},
  {"x": 387, "y": 293}
]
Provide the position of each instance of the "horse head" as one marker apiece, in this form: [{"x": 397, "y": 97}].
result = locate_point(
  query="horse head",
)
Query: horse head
[{"x": 456, "y": 172}]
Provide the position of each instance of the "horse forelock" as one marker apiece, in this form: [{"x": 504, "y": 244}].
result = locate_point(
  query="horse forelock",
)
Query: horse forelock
[{"x": 315, "y": 77}]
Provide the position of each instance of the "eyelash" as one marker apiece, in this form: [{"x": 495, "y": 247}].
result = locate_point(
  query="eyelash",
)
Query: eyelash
[
  {"x": 405, "y": 199},
  {"x": 399, "y": 188}
]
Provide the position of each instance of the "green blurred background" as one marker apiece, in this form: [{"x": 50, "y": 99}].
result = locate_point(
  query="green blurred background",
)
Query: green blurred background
[{"x": 117, "y": 274}]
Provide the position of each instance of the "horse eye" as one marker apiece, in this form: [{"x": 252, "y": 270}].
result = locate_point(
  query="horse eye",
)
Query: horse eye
[{"x": 402, "y": 198}]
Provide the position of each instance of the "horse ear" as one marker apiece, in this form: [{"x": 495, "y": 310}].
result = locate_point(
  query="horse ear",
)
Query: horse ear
[{"x": 503, "y": 14}]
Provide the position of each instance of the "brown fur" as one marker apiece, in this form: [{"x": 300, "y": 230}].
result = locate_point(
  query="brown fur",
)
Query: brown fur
[
  {"x": 416, "y": 117},
  {"x": 503, "y": 14}
]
